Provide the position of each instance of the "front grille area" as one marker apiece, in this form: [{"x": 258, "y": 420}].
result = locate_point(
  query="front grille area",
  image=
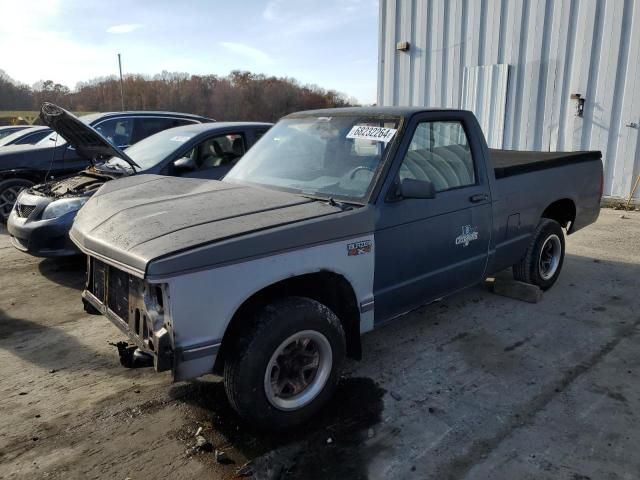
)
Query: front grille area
[
  {"x": 99, "y": 275},
  {"x": 121, "y": 293},
  {"x": 118, "y": 290},
  {"x": 138, "y": 313},
  {"x": 24, "y": 211}
]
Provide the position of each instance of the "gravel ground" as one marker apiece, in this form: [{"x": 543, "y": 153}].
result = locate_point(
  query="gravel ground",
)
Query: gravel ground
[{"x": 475, "y": 386}]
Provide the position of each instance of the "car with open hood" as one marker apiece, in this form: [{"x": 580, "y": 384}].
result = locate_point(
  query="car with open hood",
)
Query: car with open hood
[
  {"x": 336, "y": 222},
  {"x": 52, "y": 157},
  {"x": 43, "y": 214}
]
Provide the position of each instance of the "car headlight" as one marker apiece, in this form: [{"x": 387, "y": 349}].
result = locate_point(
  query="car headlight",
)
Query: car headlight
[{"x": 58, "y": 208}]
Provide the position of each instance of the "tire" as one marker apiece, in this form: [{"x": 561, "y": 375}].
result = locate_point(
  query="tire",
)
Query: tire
[
  {"x": 9, "y": 190},
  {"x": 285, "y": 323},
  {"x": 538, "y": 267}
]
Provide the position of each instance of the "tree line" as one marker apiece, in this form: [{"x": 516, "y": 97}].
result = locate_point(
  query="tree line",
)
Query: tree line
[{"x": 237, "y": 96}]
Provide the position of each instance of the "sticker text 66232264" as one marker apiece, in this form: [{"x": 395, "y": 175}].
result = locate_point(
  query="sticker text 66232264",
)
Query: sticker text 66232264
[{"x": 379, "y": 134}]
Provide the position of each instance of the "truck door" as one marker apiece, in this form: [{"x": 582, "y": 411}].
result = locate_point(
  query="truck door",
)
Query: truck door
[{"x": 426, "y": 248}]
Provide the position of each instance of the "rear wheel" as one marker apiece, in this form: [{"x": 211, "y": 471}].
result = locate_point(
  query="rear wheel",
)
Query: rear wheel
[
  {"x": 9, "y": 190},
  {"x": 286, "y": 368},
  {"x": 544, "y": 257}
]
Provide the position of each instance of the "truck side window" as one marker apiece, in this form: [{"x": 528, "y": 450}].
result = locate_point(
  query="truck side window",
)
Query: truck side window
[{"x": 439, "y": 152}]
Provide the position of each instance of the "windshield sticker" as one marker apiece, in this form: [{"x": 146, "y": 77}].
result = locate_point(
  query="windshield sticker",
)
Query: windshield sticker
[
  {"x": 378, "y": 134},
  {"x": 180, "y": 138}
]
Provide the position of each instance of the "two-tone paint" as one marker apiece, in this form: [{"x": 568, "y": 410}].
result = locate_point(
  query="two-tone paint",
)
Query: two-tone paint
[{"x": 385, "y": 256}]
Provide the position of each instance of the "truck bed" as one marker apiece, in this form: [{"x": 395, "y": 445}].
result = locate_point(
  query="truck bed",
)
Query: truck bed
[{"x": 513, "y": 162}]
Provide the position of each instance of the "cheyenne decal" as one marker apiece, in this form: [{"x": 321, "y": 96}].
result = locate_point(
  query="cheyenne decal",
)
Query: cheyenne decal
[{"x": 469, "y": 234}]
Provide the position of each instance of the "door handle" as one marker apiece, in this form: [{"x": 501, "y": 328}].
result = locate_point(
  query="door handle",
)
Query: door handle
[{"x": 480, "y": 197}]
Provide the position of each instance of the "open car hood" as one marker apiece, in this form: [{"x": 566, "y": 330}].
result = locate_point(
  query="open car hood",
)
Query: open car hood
[{"x": 84, "y": 138}]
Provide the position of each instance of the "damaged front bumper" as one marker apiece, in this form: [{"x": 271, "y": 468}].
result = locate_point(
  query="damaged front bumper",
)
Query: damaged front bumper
[{"x": 135, "y": 307}]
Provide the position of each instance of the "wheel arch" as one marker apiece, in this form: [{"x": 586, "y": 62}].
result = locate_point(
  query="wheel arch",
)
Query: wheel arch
[
  {"x": 562, "y": 211},
  {"x": 327, "y": 287}
]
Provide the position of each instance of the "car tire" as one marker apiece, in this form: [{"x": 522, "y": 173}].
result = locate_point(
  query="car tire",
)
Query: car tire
[
  {"x": 544, "y": 257},
  {"x": 269, "y": 375},
  {"x": 9, "y": 190}
]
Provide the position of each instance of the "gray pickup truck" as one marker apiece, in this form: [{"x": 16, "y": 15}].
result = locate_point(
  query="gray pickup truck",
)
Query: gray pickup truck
[{"x": 335, "y": 222}]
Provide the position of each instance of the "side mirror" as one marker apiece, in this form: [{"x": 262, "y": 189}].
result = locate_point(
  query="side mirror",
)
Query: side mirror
[
  {"x": 410, "y": 188},
  {"x": 184, "y": 164}
]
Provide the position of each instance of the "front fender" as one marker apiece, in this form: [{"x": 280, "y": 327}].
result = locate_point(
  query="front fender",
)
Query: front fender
[{"x": 204, "y": 302}]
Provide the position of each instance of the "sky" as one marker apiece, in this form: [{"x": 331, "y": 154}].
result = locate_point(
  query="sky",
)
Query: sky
[{"x": 329, "y": 43}]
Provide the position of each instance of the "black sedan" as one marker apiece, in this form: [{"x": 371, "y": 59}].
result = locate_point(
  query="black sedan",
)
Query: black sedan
[{"x": 43, "y": 214}]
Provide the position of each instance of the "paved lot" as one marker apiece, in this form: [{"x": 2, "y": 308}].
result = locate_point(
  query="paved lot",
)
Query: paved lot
[{"x": 476, "y": 386}]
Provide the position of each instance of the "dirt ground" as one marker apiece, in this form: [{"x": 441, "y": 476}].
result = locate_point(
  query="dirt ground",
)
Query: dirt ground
[{"x": 475, "y": 386}]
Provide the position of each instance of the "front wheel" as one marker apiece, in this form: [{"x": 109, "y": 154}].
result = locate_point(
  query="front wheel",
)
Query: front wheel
[
  {"x": 544, "y": 257},
  {"x": 287, "y": 366}
]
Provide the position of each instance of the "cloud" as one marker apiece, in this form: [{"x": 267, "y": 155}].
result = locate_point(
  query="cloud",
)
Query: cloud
[
  {"x": 255, "y": 55},
  {"x": 124, "y": 28},
  {"x": 272, "y": 10}
]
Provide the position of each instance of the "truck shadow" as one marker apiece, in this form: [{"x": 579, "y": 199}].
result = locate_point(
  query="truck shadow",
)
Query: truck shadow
[
  {"x": 54, "y": 349},
  {"x": 67, "y": 271},
  {"x": 334, "y": 444}
]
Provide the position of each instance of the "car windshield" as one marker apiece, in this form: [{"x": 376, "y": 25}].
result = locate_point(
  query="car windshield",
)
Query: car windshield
[
  {"x": 325, "y": 156},
  {"x": 152, "y": 150}
]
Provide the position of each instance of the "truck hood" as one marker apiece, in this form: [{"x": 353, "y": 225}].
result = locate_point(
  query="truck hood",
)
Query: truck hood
[
  {"x": 84, "y": 138},
  {"x": 140, "y": 218}
]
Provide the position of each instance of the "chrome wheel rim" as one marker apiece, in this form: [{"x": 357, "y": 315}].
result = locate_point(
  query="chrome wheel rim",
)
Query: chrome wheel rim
[
  {"x": 298, "y": 370},
  {"x": 8, "y": 198},
  {"x": 550, "y": 255}
]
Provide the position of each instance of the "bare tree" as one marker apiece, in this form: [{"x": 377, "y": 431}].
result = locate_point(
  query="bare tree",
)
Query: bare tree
[{"x": 240, "y": 95}]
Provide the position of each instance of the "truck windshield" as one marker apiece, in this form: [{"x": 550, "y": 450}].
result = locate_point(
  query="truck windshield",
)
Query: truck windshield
[{"x": 328, "y": 157}]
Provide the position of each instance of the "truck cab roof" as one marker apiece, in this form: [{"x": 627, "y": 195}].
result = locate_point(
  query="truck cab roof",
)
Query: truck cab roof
[{"x": 374, "y": 111}]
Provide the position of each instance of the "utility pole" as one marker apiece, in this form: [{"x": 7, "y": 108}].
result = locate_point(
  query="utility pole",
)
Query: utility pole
[{"x": 121, "y": 83}]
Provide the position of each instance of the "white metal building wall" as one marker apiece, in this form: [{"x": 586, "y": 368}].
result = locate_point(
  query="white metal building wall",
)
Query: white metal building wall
[{"x": 553, "y": 49}]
